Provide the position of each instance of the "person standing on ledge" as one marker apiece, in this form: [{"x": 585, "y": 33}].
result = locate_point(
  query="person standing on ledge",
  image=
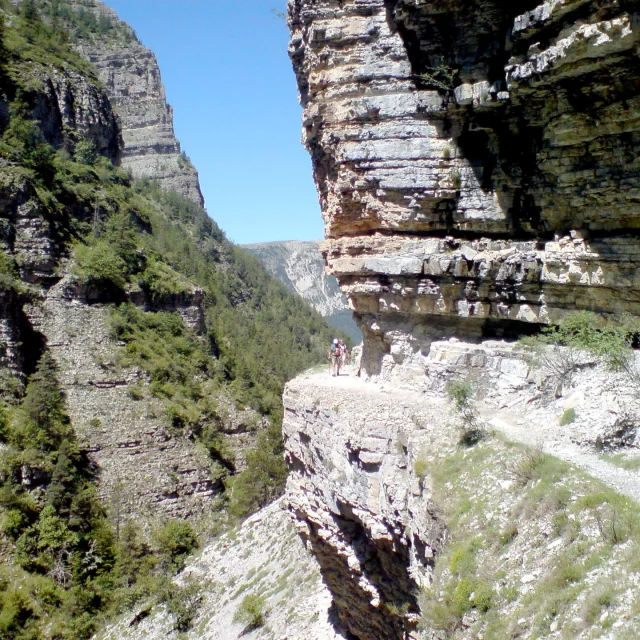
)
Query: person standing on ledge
[
  {"x": 335, "y": 355},
  {"x": 344, "y": 357}
]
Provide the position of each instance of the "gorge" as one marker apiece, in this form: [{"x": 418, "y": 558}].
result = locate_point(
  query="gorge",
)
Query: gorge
[
  {"x": 474, "y": 476},
  {"x": 476, "y": 169}
]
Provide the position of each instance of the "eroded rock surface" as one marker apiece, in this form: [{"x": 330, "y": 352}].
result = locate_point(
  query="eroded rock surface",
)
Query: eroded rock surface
[
  {"x": 131, "y": 75},
  {"x": 262, "y": 557},
  {"x": 356, "y": 501},
  {"x": 362, "y": 487},
  {"x": 476, "y": 164}
]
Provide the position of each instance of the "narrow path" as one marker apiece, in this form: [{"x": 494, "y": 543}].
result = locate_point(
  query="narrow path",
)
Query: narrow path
[
  {"x": 624, "y": 482},
  {"x": 533, "y": 432}
]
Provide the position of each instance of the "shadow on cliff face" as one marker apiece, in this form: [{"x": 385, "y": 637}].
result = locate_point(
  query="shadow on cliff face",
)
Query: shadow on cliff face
[
  {"x": 33, "y": 343},
  {"x": 509, "y": 140},
  {"x": 382, "y": 564}
]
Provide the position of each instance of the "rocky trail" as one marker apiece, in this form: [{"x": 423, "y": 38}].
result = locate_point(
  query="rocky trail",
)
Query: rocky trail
[{"x": 544, "y": 434}]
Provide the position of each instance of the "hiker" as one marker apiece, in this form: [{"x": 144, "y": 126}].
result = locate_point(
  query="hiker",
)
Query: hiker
[
  {"x": 345, "y": 354},
  {"x": 335, "y": 355}
]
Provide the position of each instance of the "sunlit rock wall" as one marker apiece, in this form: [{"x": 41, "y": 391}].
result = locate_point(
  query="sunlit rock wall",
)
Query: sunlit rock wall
[
  {"x": 131, "y": 75},
  {"x": 476, "y": 162}
]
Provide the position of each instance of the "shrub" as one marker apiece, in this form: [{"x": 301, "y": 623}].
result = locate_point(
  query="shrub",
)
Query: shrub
[
  {"x": 566, "y": 346},
  {"x": 136, "y": 392},
  {"x": 461, "y": 393},
  {"x": 251, "y": 611},
  {"x": 263, "y": 479},
  {"x": 421, "y": 468},
  {"x": 99, "y": 264},
  {"x": 183, "y": 603},
  {"x": 456, "y": 179},
  {"x": 175, "y": 541},
  {"x": 567, "y": 417},
  {"x": 160, "y": 282}
]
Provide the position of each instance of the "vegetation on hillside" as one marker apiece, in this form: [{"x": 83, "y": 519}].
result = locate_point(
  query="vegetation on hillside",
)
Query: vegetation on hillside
[
  {"x": 68, "y": 565},
  {"x": 534, "y": 547},
  {"x": 64, "y": 565},
  {"x": 581, "y": 339}
]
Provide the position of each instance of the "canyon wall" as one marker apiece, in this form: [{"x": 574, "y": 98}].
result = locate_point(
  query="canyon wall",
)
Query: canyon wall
[
  {"x": 131, "y": 75},
  {"x": 476, "y": 164},
  {"x": 477, "y": 170},
  {"x": 300, "y": 265}
]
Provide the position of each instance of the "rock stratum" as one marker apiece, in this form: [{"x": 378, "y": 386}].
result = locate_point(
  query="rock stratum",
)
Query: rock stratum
[
  {"x": 476, "y": 164},
  {"x": 419, "y": 538},
  {"x": 477, "y": 170},
  {"x": 131, "y": 76}
]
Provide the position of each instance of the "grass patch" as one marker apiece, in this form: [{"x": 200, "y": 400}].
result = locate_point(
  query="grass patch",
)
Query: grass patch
[
  {"x": 567, "y": 417},
  {"x": 623, "y": 461},
  {"x": 251, "y": 612},
  {"x": 563, "y": 525}
]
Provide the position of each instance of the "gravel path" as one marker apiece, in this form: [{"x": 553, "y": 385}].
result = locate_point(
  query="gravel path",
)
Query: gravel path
[
  {"x": 625, "y": 482},
  {"x": 543, "y": 431}
]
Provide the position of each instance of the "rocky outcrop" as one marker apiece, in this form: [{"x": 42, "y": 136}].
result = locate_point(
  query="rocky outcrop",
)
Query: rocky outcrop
[
  {"x": 301, "y": 267},
  {"x": 263, "y": 557},
  {"x": 386, "y": 520},
  {"x": 476, "y": 165},
  {"x": 72, "y": 105},
  {"x": 477, "y": 172},
  {"x": 356, "y": 501},
  {"x": 132, "y": 78},
  {"x": 146, "y": 470}
]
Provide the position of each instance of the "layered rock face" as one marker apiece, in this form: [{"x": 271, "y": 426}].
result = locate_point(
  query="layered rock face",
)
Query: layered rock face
[
  {"x": 356, "y": 501},
  {"x": 476, "y": 164},
  {"x": 132, "y": 78},
  {"x": 389, "y": 502}
]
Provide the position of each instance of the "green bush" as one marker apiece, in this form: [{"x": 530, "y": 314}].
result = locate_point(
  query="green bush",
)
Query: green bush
[
  {"x": 183, "y": 603},
  {"x": 421, "y": 468},
  {"x": 264, "y": 477},
  {"x": 161, "y": 283},
  {"x": 563, "y": 347},
  {"x": 175, "y": 541},
  {"x": 100, "y": 265},
  {"x": 251, "y": 611},
  {"x": 462, "y": 394},
  {"x": 567, "y": 417}
]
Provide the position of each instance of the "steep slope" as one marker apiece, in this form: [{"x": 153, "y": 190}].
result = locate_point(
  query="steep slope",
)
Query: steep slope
[
  {"x": 419, "y": 537},
  {"x": 262, "y": 558},
  {"x": 131, "y": 76},
  {"x": 300, "y": 266},
  {"x": 143, "y": 355}
]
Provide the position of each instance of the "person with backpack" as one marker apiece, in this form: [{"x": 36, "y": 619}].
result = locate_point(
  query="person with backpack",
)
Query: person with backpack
[
  {"x": 335, "y": 356},
  {"x": 345, "y": 354}
]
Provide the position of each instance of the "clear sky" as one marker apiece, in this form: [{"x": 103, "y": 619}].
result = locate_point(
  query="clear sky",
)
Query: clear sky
[{"x": 225, "y": 68}]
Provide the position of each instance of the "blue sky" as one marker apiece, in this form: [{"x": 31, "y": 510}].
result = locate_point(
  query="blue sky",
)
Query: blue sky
[{"x": 225, "y": 68}]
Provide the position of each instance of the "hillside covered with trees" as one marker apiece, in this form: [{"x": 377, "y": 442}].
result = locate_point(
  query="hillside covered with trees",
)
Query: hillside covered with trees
[{"x": 138, "y": 252}]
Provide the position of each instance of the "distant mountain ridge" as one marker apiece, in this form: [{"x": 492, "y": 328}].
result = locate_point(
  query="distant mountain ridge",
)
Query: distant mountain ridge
[{"x": 300, "y": 265}]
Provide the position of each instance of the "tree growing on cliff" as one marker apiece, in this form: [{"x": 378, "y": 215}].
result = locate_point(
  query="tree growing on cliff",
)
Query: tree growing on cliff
[
  {"x": 461, "y": 394},
  {"x": 583, "y": 339}
]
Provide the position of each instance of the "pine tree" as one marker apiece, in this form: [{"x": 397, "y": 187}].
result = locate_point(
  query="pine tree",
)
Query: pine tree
[
  {"x": 29, "y": 10},
  {"x": 45, "y": 420}
]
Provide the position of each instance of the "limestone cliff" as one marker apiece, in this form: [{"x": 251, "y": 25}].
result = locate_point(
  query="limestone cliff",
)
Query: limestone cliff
[
  {"x": 419, "y": 537},
  {"x": 476, "y": 164},
  {"x": 133, "y": 81},
  {"x": 301, "y": 267},
  {"x": 477, "y": 170}
]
